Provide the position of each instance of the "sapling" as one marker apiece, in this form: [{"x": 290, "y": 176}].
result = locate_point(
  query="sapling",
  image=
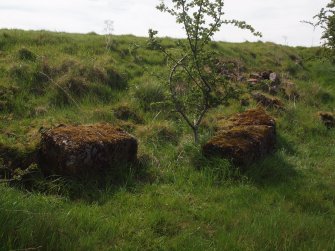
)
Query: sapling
[
  {"x": 325, "y": 19},
  {"x": 194, "y": 82}
]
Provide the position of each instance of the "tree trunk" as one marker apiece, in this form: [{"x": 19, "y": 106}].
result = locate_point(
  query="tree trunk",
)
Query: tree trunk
[{"x": 196, "y": 135}]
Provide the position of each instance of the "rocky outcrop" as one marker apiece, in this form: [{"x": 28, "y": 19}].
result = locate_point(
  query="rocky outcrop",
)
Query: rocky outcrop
[
  {"x": 243, "y": 138},
  {"x": 71, "y": 150},
  {"x": 231, "y": 69},
  {"x": 270, "y": 82},
  {"x": 267, "y": 100}
]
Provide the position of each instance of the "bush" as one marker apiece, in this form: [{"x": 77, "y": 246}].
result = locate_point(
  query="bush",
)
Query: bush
[
  {"x": 25, "y": 54},
  {"x": 124, "y": 112},
  {"x": 94, "y": 74},
  {"x": 150, "y": 95},
  {"x": 67, "y": 65},
  {"x": 68, "y": 88},
  {"x": 114, "y": 79}
]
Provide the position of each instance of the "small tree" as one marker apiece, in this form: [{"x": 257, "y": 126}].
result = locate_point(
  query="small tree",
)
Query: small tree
[
  {"x": 325, "y": 19},
  {"x": 194, "y": 82}
]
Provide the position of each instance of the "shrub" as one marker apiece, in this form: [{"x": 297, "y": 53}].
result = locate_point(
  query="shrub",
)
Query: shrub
[
  {"x": 189, "y": 62},
  {"x": 40, "y": 78},
  {"x": 124, "y": 112},
  {"x": 68, "y": 88},
  {"x": 76, "y": 85},
  {"x": 114, "y": 79},
  {"x": 67, "y": 65},
  {"x": 93, "y": 73},
  {"x": 25, "y": 54}
]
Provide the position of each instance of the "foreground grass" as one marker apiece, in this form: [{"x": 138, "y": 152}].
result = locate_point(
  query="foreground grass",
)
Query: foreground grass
[{"x": 177, "y": 200}]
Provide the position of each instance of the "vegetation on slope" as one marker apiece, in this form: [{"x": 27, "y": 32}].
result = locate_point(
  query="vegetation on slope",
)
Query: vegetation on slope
[{"x": 177, "y": 199}]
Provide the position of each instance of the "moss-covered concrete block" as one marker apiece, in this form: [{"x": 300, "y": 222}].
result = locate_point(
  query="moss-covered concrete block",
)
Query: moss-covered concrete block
[
  {"x": 243, "y": 138},
  {"x": 79, "y": 149}
]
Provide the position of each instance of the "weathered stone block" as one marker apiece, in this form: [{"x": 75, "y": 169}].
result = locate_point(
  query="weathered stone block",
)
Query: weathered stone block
[
  {"x": 73, "y": 150},
  {"x": 243, "y": 138}
]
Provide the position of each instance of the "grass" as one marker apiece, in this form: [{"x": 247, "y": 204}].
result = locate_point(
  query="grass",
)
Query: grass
[{"x": 174, "y": 199}]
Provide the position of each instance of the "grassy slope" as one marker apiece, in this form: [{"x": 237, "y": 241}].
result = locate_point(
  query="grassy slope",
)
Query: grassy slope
[{"x": 179, "y": 201}]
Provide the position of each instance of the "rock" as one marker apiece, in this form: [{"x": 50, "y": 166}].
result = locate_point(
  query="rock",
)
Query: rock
[
  {"x": 274, "y": 78},
  {"x": 232, "y": 70},
  {"x": 243, "y": 138},
  {"x": 72, "y": 150},
  {"x": 327, "y": 118},
  {"x": 255, "y": 75},
  {"x": 253, "y": 80},
  {"x": 241, "y": 78},
  {"x": 268, "y": 100},
  {"x": 265, "y": 75}
]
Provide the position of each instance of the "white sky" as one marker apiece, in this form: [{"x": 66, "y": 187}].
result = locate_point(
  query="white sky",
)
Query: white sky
[{"x": 278, "y": 20}]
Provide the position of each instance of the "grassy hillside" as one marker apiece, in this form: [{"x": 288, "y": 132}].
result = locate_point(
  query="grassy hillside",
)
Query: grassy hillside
[{"x": 175, "y": 199}]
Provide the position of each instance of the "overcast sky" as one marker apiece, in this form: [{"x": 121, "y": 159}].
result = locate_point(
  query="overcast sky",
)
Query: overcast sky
[{"x": 278, "y": 20}]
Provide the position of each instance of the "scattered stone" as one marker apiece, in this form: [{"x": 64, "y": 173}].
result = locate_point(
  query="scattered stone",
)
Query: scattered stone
[
  {"x": 243, "y": 138},
  {"x": 253, "y": 80},
  {"x": 327, "y": 118},
  {"x": 274, "y": 78},
  {"x": 268, "y": 100},
  {"x": 255, "y": 75},
  {"x": 71, "y": 150},
  {"x": 231, "y": 70},
  {"x": 265, "y": 75},
  {"x": 241, "y": 78}
]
